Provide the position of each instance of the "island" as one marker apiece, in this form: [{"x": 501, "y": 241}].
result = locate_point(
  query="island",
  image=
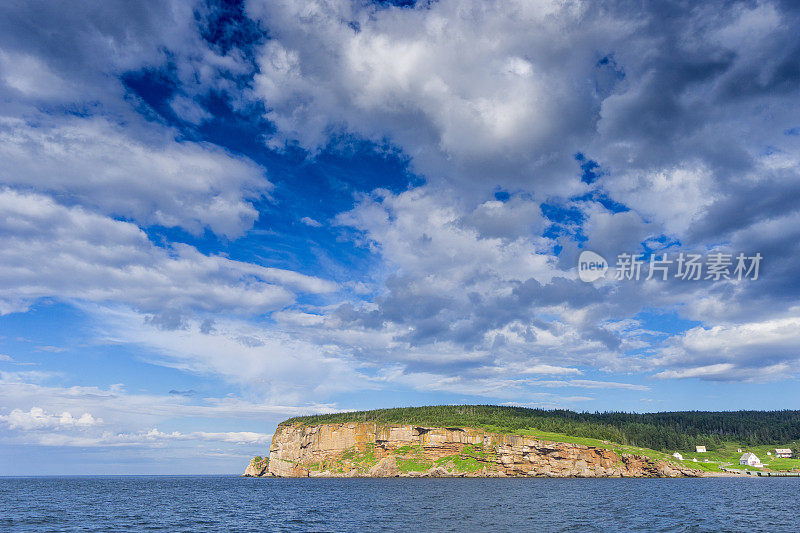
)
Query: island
[{"x": 499, "y": 441}]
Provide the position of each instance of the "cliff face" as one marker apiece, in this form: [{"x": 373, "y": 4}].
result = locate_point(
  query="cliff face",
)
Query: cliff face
[{"x": 367, "y": 449}]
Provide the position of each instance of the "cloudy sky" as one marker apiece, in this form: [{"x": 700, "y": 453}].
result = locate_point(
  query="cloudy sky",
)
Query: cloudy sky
[{"x": 214, "y": 216}]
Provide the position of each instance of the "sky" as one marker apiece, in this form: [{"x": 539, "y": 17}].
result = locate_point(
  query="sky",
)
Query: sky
[{"x": 217, "y": 215}]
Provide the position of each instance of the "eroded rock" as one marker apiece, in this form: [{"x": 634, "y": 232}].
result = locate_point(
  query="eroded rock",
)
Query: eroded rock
[{"x": 257, "y": 467}]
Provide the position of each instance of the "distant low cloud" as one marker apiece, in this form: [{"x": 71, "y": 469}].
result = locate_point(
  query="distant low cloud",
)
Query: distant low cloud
[
  {"x": 37, "y": 418},
  {"x": 153, "y": 437},
  {"x": 593, "y": 384}
]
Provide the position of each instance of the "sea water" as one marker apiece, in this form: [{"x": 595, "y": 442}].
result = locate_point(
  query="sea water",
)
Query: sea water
[{"x": 229, "y": 503}]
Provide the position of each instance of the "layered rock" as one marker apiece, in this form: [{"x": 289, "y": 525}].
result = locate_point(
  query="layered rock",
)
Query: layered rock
[{"x": 381, "y": 450}]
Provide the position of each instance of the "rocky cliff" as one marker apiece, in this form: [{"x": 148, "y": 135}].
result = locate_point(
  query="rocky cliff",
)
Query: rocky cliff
[
  {"x": 380, "y": 450},
  {"x": 257, "y": 467}
]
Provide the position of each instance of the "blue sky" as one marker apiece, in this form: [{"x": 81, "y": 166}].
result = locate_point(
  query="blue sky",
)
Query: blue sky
[{"x": 217, "y": 215}]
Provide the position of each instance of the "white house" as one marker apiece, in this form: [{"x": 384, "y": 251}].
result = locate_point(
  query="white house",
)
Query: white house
[
  {"x": 700, "y": 449},
  {"x": 786, "y": 453},
  {"x": 677, "y": 456},
  {"x": 750, "y": 459}
]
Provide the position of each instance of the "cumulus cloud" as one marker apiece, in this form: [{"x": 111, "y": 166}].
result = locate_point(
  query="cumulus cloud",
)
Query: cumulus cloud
[
  {"x": 37, "y": 418},
  {"x": 657, "y": 94},
  {"x": 766, "y": 350},
  {"x": 506, "y": 93},
  {"x": 497, "y": 113},
  {"x": 452, "y": 283}
]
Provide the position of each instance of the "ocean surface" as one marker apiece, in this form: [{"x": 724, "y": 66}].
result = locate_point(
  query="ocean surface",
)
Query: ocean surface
[{"x": 228, "y": 503}]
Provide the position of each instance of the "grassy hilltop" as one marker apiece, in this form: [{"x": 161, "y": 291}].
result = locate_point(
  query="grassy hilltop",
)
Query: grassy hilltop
[{"x": 720, "y": 432}]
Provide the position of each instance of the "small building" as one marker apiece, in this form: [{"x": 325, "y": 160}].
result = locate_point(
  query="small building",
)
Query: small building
[
  {"x": 786, "y": 453},
  {"x": 739, "y": 450},
  {"x": 750, "y": 459},
  {"x": 700, "y": 449},
  {"x": 677, "y": 456}
]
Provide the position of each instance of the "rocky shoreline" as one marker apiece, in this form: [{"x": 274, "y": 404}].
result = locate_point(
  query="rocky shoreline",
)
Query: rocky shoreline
[{"x": 367, "y": 449}]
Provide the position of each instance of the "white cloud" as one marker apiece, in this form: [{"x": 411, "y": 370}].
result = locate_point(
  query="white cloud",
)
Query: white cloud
[
  {"x": 548, "y": 369},
  {"x": 118, "y": 407},
  {"x": 37, "y": 418},
  {"x": 610, "y": 234},
  {"x": 28, "y": 76},
  {"x": 516, "y": 218},
  {"x": 421, "y": 233},
  {"x": 298, "y": 318},
  {"x": 153, "y": 437},
  {"x": 672, "y": 198},
  {"x": 68, "y": 252},
  {"x": 285, "y": 365},
  {"x": 730, "y": 372},
  {"x": 759, "y": 351},
  {"x": 481, "y": 94},
  {"x": 102, "y": 167},
  {"x": 308, "y": 221},
  {"x": 51, "y": 349},
  {"x": 508, "y": 388},
  {"x": 188, "y": 110},
  {"x": 114, "y": 416},
  {"x": 236, "y": 437},
  {"x": 453, "y": 289},
  {"x": 475, "y": 93},
  {"x": 30, "y": 376},
  {"x": 592, "y": 384}
]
